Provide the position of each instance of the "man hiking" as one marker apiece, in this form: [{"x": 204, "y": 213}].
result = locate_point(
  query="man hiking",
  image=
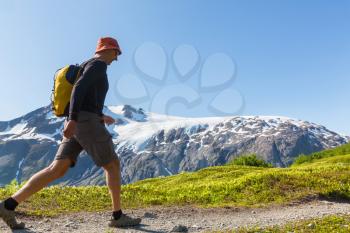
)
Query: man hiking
[{"x": 84, "y": 129}]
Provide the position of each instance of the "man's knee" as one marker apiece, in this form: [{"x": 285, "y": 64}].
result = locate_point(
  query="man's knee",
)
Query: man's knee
[
  {"x": 59, "y": 167},
  {"x": 114, "y": 164}
]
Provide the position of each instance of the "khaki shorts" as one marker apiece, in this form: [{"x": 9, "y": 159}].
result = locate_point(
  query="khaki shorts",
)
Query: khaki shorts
[{"x": 92, "y": 136}]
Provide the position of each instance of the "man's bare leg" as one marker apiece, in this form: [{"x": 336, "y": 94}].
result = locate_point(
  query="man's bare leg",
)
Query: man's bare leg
[
  {"x": 113, "y": 180},
  {"x": 42, "y": 178},
  {"x": 35, "y": 184}
]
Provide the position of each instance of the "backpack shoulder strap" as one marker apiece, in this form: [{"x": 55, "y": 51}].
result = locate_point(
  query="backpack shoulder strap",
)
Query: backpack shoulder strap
[{"x": 82, "y": 67}]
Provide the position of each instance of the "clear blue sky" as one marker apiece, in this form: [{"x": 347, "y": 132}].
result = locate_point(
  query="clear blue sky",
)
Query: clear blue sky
[{"x": 292, "y": 56}]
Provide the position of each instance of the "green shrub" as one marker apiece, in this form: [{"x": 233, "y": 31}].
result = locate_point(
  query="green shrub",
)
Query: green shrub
[{"x": 249, "y": 160}]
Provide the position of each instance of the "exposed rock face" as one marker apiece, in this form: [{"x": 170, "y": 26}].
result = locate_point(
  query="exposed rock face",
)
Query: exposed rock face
[
  {"x": 159, "y": 146},
  {"x": 276, "y": 141}
]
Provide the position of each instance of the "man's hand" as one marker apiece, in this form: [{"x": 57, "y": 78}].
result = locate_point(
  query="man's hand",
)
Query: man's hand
[
  {"x": 69, "y": 129},
  {"x": 108, "y": 120}
]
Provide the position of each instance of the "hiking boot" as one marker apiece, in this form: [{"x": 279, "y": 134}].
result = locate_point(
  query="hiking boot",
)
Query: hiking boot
[
  {"x": 9, "y": 217},
  {"x": 124, "y": 221}
]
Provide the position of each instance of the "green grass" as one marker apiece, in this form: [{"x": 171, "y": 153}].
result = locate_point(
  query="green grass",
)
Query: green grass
[
  {"x": 229, "y": 185},
  {"x": 341, "y": 150},
  {"x": 328, "y": 224}
]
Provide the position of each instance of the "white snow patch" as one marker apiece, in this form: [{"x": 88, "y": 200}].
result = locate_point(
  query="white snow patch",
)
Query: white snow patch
[
  {"x": 117, "y": 112},
  {"x": 52, "y": 118},
  {"x": 16, "y": 129},
  {"x": 169, "y": 172},
  {"x": 136, "y": 133},
  {"x": 18, "y": 170},
  {"x": 114, "y": 111},
  {"x": 31, "y": 135}
]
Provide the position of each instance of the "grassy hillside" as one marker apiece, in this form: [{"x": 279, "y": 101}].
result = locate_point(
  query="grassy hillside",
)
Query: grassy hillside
[
  {"x": 341, "y": 150},
  {"x": 229, "y": 185}
]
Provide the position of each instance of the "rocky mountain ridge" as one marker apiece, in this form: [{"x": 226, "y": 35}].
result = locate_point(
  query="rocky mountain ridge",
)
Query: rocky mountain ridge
[{"x": 151, "y": 145}]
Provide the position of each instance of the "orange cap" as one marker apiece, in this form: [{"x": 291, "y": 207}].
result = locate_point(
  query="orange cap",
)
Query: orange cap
[{"x": 105, "y": 43}]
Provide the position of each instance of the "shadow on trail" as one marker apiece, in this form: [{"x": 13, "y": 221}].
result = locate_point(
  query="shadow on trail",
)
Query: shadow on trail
[
  {"x": 335, "y": 196},
  {"x": 142, "y": 228},
  {"x": 23, "y": 231}
]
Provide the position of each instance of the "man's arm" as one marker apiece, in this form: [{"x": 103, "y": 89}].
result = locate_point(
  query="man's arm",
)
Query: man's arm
[
  {"x": 108, "y": 119},
  {"x": 91, "y": 72}
]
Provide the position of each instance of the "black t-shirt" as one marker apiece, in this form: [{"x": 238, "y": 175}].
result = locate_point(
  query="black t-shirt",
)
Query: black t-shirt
[{"x": 89, "y": 91}]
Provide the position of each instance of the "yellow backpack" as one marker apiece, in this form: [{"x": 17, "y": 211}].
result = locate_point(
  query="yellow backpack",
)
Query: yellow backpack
[{"x": 64, "y": 80}]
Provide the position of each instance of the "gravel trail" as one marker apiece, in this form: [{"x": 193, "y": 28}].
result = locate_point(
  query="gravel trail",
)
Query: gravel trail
[{"x": 164, "y": 219}]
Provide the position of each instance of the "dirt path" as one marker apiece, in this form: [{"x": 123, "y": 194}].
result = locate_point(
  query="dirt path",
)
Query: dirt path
[{"x": 195, "y": 219}]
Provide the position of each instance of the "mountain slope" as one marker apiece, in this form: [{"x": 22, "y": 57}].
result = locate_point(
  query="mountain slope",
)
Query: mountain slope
[
  {"x": 318, "y": 189},
  {"x": 219, "y": 186},
  {"x": 151, "y": 145}
]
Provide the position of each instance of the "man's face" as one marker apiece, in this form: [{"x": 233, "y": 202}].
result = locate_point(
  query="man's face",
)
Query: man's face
[
  {"x": 116, "y": 54},
  {"x": 112, "y": 55}
]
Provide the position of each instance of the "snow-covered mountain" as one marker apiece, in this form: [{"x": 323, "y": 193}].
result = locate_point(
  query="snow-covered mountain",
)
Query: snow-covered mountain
[{"x": 151, "y": 145}]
